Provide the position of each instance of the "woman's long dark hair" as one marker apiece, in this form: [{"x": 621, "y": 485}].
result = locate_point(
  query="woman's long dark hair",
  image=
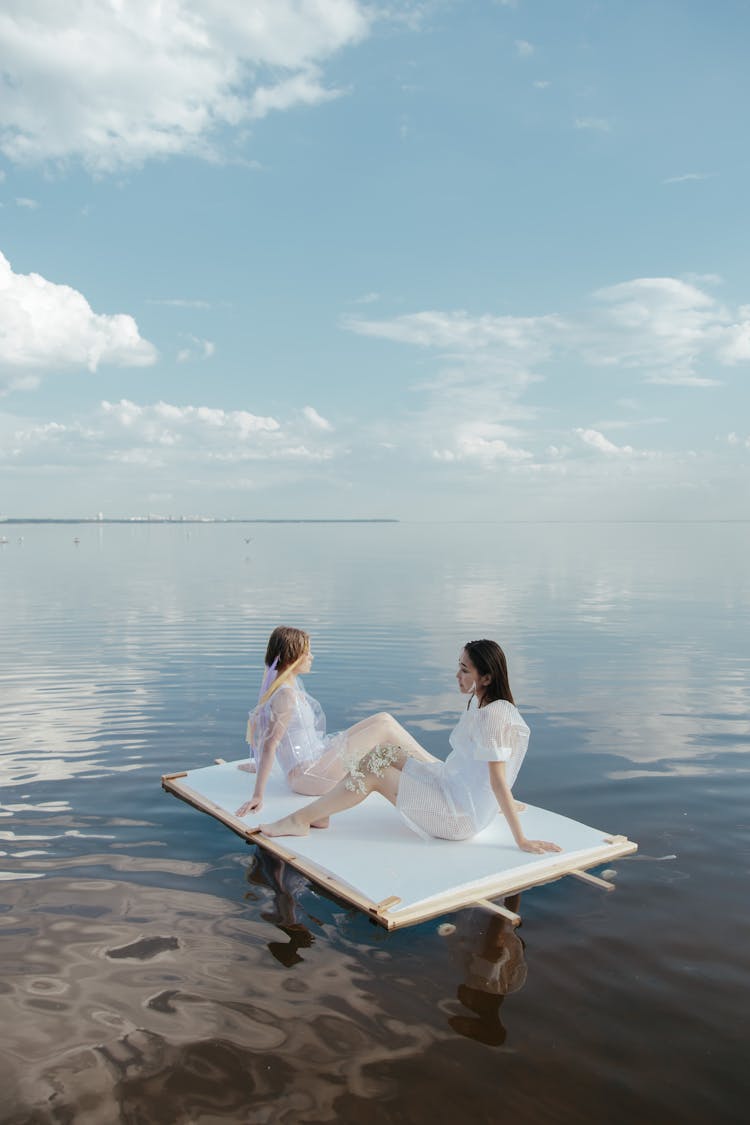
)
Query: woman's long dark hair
[{"x": 489, "y": 660}]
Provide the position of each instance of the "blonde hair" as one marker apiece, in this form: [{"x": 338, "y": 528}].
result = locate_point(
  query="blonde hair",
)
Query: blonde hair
[{"x": 288, "y": 646}]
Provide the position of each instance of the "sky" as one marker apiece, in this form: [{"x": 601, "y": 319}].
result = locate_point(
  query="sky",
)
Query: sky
[{"x": 439, "y": 260}]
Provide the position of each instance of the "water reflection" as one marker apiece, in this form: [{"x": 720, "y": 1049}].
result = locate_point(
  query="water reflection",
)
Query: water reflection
[
  {"x": 160, "y": 982},
  {"x": 172, "y": 1007},
  {"x": 286, "y": 886},
  {"x": 491, "y": 953},
  {"x": 485, "y": 947}
]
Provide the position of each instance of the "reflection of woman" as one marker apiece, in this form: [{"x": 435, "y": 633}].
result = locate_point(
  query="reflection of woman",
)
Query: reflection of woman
[
  {"x": 494, "y": 968},
  {"x": 455, "y": 799},
  {"x": 287, "y": 885},
  {"x": 289, "y": 724}
]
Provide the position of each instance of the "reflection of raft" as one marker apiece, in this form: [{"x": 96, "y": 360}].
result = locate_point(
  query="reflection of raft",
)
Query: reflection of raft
[{"x": 370, "y": 858}]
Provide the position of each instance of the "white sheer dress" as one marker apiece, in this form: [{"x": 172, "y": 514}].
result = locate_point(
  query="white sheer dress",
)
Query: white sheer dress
[
  {"x": 303, "y": 745},
  {"x": 454, "y": 800}
]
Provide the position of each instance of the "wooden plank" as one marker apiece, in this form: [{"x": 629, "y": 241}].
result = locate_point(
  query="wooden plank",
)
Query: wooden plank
[
  {"x": 594, "y": 880},
  {"x": 496, "y": 908},
  {"x": 387, "y": 903}
]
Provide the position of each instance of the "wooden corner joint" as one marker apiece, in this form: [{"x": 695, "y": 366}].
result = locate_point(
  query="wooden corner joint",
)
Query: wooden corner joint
[{"x": 386, "y": 904}]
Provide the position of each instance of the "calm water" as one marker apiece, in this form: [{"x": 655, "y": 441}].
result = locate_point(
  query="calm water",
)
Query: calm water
[{"x": 155, "y": 969}]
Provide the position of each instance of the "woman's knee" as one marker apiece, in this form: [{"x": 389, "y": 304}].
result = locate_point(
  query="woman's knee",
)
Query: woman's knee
[{"x": 371, "y": 769}]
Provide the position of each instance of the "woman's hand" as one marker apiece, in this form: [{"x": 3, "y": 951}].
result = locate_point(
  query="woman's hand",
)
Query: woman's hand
[
  {"x": 538, "y": 846},
  {"x": 255, "y": 804}
]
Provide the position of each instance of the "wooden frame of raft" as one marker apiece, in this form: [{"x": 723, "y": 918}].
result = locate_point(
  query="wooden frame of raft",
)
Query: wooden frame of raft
[{"x": 479, "y": 893}]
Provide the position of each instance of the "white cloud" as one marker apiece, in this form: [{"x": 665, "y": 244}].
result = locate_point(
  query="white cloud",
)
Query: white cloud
[
  {"x": 316, "y": 420},
  {"x": 49, "y": 327},
  {"x": 27, "y": 204},
  {"x": 166, "y": 424},
  {"x": 666, "y": 328},
  {"x": 114, "y": 84},
  {"x": 541, "y": 84},
  {"x": 688, "y": 176},
  {"x": 477, "y": 443},
  {"x": 197, "y": 349},
  {"x": 655, "y": 330},
  {"x": 484, "y": 365},
  {"x": 735, "y": 346},
  {"x": 704, "y": 278},
  {"x": 663, "y": 328},
  {"x": 602, "y": 444},
  {"x": 523, "y": 48},
  {"x": 513, "y": 336},
  {"x": 164, "y": 436},
  {"x": 181, "y": 302},
  {"x": 597, "y": 124},
  {"x": 302, "y": 89}
]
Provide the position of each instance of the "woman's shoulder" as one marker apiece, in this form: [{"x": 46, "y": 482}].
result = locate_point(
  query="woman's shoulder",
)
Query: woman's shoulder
[
  {"x": 501, "y": 711},
  {"x": 283, "y": 698}
]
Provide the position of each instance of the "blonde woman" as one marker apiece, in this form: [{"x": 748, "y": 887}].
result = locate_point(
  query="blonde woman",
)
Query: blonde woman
[{"x": 289, "y": 725}]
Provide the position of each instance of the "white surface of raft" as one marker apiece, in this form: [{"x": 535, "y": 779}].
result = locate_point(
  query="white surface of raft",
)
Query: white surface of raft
[{"x": 369, "y": 857}]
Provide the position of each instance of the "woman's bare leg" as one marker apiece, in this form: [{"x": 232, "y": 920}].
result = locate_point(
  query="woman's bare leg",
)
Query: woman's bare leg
[
  {"x": 383, "y": 728},
  {"x": 360, "y": 738},
  {"x": 379, "y": 771},
  {"x": 320, "y": 777},
  {"x": 375, "y": 729}
]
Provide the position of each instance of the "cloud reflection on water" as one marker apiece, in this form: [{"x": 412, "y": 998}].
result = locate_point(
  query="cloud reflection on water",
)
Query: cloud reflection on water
[{"x": 171, "y": 1005}]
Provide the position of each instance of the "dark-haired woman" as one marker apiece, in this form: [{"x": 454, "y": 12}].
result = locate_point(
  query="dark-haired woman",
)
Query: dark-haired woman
[{"x": 451, "y": 800}]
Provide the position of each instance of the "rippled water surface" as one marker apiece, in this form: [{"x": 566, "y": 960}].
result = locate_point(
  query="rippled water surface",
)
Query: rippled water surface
[{"x": 156, "y": 969}]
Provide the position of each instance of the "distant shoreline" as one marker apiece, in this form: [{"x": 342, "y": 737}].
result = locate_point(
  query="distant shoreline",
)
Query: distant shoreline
[{"x": 174, "y": 519}]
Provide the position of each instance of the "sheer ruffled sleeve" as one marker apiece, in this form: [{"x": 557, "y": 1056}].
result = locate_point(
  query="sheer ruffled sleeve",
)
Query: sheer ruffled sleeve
[
  {"x": 499, "y": 732},
  {"x": 270, "y": 718},
  {"x": 280, "y": 710}
]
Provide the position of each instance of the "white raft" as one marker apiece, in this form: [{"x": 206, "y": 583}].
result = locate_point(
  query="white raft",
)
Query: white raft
[{"x": 370, "y": 858}]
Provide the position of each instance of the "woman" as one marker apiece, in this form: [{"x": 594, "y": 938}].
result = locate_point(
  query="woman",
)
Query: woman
[
  {"x": 451, "y": 800},
  {"x": 289, "y": 724}
]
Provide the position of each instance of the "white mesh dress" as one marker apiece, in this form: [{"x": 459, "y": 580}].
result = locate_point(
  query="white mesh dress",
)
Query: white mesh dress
[
  {"x": 453, "y": 800},
  {"x": 303, "y": 745}
]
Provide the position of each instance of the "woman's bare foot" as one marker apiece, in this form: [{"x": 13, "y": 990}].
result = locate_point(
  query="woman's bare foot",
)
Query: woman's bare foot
[
  {"x": 248, "y": 767},
  {"x": 287, "y": 826},
  {"x": 322, "y": 823}
]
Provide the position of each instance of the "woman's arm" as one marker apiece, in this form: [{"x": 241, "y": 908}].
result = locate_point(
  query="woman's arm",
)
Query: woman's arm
[
  {"x": 507, "y": 805},
  {"x": 279, "y": 721}
]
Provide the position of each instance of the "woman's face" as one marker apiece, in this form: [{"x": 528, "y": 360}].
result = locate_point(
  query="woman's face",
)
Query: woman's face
[
  {"x": 466, "y": 674},
  {"x": 306, "y": 662}
]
